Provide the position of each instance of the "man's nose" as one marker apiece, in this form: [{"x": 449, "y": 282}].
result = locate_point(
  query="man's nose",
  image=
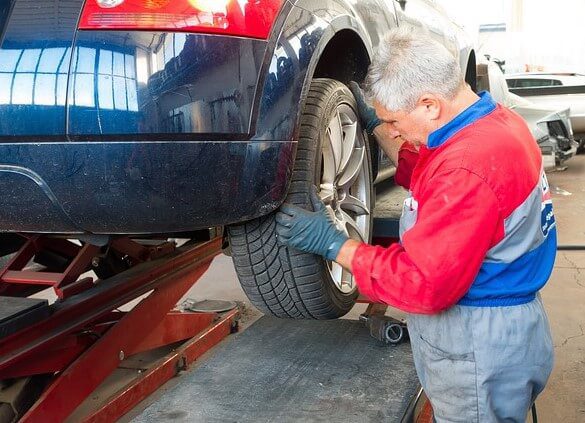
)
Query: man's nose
[{"x": 394, "y": 133}]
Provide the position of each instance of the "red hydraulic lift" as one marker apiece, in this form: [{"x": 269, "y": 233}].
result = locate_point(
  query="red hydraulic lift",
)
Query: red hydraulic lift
[{"x": 59, "y": 354}]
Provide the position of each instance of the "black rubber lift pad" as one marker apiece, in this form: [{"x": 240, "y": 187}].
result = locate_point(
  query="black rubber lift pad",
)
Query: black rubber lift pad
[
  {"x": 281, "y": 370},
  {"x": 18, "y": 313}
]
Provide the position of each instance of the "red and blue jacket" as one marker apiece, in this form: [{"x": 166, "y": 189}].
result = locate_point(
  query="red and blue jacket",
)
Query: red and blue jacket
[{"x": 478, "y": 228}]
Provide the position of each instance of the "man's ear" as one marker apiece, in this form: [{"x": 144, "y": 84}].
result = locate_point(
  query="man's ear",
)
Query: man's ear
[{"x": 432, "y": 106}]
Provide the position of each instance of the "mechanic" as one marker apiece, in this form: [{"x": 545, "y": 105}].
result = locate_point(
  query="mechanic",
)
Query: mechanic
[{"x": 478, "y": 236}]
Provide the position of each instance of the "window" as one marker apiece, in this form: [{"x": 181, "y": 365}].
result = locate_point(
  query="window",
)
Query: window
[
  {"x": 34, "y": 76},
  {"x": 115, "y": 85},
  {"x": 39, "y": 77},
  {"x": 170, "y": 47}
]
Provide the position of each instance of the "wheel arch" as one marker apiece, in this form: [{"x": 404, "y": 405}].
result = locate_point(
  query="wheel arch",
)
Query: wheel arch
[
  {"x": 346, "y": 33},
  {"x": 352, "y": 65},
  {"x": 309, "y": 47}
]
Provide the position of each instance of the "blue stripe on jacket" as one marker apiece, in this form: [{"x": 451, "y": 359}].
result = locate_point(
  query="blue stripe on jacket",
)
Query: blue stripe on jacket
[{"x": 506, "y": 284}]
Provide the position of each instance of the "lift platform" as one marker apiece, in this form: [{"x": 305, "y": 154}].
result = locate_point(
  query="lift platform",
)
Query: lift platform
[
  {"x": 54, "y": 356},
  {"x": 279, "y": 370}
]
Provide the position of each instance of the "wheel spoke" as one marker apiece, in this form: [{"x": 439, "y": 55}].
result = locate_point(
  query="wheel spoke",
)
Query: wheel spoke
[
  {"x": 349, "y": 142},
  {"x": 346, "y": 279},
  {"x": 329, "y": 170},
  {"x": 337, "y": 273},
  {"x": 349, "y": 222},
  {"x": 336, "y": 139},
  {"x": 353, "y": 168},
  {"x": 326, "y": 193},
  {"x": 332, "y": 214},
  {"x": 355, "y": 205}
]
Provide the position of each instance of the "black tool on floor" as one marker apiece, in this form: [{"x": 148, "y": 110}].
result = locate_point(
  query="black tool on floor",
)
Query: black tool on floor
[{"x": 385, "y": 328}]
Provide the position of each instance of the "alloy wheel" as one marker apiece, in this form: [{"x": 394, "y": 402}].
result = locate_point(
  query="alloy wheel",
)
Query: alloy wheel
[{"x": 345, "y": 186}]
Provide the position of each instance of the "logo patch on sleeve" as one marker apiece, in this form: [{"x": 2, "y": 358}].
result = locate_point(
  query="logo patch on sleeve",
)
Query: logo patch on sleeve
[{"x": 547, "y": 218}]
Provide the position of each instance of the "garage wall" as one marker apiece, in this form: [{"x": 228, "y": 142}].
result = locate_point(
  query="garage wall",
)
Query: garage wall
[{"x": 539, "y": 35}]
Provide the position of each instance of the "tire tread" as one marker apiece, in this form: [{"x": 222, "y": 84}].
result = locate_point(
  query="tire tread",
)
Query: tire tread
[{"x": 278, "y": 280}]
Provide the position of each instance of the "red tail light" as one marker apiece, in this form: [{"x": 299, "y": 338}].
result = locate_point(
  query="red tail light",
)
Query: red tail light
[{"x": 247, "y": 18}]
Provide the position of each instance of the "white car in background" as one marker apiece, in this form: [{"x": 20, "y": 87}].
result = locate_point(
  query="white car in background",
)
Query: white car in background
[
  {"x": 550, "y": 126},
  {"x": 554, "y": 90}
]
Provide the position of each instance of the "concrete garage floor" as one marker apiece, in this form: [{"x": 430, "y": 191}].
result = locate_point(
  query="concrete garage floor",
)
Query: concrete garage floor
[{"x": 564, "y": 298}]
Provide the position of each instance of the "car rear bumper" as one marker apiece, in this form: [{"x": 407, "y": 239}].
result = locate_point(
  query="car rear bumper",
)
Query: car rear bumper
[
  {"x": 139, "y": 187},
  {"x": 564, "y": 155}
]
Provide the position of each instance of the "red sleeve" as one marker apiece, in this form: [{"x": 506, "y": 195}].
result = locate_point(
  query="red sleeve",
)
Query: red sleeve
[
  {"x": 407, "y": 158},
  {"x": 440, "y": 256}
]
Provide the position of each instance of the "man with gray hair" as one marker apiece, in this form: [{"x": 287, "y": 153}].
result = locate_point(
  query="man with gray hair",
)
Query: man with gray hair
[{"x": 478, "y": 235}]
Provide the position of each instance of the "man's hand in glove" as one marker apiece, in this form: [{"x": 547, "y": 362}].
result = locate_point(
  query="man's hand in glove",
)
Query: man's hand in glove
[
  {"x": 312, "y": 232},
  {"x": 367, "y": 113}
]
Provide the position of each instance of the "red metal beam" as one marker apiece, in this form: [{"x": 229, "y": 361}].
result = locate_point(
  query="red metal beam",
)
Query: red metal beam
[
  {"x": 363, "y": 300},
  {"x": 14, "y": 277},
  {"x": 149, "y": 381},
  {"x": 72, "y": 386},
  {"x": 23, "y": 256},
  {"x": 78, "y": 265},
  {"x": 75, "y": 287},
  {"x": 176, "y": 326},
  {"x": 53, "y": 360},
  {"x": 14, "y": 274},
  {"x": 426, "y": 415},
  {"x": 82, "y": 309},
  {"x": 31, "y": 277}
]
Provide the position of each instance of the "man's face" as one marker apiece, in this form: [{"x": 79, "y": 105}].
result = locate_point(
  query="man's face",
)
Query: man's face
[{"x": 414, "y": 126}]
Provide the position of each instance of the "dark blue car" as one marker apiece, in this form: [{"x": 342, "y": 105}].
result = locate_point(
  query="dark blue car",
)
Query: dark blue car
[{"x": 144, "y": 117}]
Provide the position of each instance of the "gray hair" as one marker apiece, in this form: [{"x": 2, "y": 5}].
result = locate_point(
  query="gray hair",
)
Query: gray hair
[{"x": 408, "y": 64}]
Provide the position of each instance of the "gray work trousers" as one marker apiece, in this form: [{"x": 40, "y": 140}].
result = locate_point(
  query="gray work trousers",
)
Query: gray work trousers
[{"x": 482, "y": 364}]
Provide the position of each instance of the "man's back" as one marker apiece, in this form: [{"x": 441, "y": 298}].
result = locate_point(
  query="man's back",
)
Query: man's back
[
  {"x": 495, "y": 150},
  {"x": 500, "y": 149}
]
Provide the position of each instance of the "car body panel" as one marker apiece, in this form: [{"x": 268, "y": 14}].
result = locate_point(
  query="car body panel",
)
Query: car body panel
[
  {"x": 140, "y": 132},
  {"x": 163, "y": 148},
  {"x": 568, "y": 91},
  {"x": 558, "y": 145},
  {"x": 34, "y": 64},
  {"x": 542, "y": 121},
  {"x": 5, "y": 8},
  {"x": 139, "y": 187},
  {"x": 576, "y": 103},
  {"x": 152, "y": 83}
]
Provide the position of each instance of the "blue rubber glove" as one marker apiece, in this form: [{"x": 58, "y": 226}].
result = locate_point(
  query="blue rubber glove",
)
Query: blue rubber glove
[
  {"x": 312, "y": 232},
  {"x": 367, "y": 113}
]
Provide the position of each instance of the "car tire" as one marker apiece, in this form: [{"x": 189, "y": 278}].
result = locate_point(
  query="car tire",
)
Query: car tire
[{"x": 288, "y": 283}]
